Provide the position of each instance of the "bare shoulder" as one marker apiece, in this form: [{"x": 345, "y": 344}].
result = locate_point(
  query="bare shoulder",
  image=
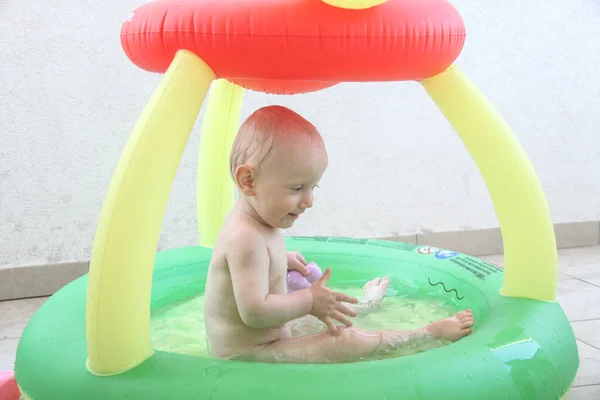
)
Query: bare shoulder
[{"x": 240, "y": 240}]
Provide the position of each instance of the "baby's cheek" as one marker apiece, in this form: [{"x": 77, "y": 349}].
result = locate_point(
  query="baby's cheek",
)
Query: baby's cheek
[{"x": 294, "y": 201}]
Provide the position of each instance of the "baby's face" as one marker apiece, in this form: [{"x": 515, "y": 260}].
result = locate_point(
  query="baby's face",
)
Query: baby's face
[{"x": 286, "y": 181}]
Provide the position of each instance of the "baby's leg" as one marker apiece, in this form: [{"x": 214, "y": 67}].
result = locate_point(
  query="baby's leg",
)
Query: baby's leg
[
  {"x": 352, "y": 343},
  {"x": 374, "y": 291}
]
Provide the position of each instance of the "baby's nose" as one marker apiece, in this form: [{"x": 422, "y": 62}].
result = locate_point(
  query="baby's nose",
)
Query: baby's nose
[{"x": 307, "y": 200}]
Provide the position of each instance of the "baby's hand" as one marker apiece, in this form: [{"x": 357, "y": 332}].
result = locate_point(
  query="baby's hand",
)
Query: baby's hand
[
  {"x": 296, "y": 262},
  {"x": 327, "y": 306}
]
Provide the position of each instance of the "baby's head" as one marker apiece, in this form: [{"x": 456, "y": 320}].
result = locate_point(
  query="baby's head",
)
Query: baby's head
[{"x": 277, "y": 159}]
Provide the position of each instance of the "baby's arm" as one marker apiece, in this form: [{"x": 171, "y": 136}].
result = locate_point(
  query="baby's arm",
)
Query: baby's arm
[{"x": 249, "y": 268}]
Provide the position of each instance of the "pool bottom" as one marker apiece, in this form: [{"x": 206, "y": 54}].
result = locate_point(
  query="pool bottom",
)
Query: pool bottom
[{"x": 179, "y": 327}]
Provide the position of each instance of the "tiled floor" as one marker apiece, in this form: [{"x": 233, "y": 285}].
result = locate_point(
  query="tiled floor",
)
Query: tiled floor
[{"x": 578, "y": 294}]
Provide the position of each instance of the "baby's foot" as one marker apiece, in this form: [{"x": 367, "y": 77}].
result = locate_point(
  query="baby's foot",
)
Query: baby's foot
[
  {"x": 375, "y": 290},
  {"x": 453, "y": 328}
]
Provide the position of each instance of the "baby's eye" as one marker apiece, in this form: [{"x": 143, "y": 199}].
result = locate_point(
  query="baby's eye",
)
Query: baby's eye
[{"x": 297, "y": 189}]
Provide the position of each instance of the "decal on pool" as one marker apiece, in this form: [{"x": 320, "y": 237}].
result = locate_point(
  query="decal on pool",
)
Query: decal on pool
[{"x": 446, "y": 290}]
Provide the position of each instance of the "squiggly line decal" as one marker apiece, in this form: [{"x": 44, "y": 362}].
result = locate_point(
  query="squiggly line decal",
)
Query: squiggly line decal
[{"x": 446, "y": 290}]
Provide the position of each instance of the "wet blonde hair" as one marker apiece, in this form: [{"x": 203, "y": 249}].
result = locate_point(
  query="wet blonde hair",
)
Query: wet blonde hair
[{"x": 260, "y": 131}]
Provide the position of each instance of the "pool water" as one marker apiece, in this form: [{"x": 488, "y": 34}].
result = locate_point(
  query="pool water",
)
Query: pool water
[{"x": 179, "y": 327}]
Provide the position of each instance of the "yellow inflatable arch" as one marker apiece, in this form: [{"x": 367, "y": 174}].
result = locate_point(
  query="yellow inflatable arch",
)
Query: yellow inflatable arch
[
  {"x": 129, "y": 227},
  {"x": 118, "y": 296}
]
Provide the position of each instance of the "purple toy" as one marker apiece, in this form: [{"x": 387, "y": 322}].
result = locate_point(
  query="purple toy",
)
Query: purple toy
[{"x": 297, "y": 281}]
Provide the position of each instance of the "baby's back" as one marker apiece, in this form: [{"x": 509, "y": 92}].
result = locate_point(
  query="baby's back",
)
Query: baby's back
[{"x": 226, "y": 332}]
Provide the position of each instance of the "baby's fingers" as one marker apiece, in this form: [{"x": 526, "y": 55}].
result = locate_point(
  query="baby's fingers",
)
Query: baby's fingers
[
  {"x": 330, "y": 325},
  {"x": 340, "y": 317},
  {"x": 301, "y": 258},
  {"x": 345, "y": 298},
  {"x": 296, "y": 265},
  {"x": 345, "y": 310}
]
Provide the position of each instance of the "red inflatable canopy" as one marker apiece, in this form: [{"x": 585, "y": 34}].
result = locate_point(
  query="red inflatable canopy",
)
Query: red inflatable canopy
[{"x": 295, "y": 46}]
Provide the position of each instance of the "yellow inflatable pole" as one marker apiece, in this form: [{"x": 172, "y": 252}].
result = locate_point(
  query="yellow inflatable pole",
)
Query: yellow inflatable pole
[
  {"x": 530, "y": 257},
  {"x": 215, "y": 188},
  {"x": 122, "y": 260}
]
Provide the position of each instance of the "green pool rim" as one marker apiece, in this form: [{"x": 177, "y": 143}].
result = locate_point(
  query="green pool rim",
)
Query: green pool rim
[{"x": 520, "y": 348}]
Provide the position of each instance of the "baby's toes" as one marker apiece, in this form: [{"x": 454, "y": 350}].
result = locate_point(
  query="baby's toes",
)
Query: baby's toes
[
  {"x": 373, "y": 282},
  {"x": 466, "y": 320},
  {"x": 467, "y": 323},
  {"x": 464, "y": 316}
]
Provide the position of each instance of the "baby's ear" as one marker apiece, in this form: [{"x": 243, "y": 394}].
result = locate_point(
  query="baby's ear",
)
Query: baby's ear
[{"x": 244, "y": 179}]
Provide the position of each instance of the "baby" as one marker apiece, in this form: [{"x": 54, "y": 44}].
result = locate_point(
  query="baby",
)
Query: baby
[{"x": 277, "y": 160}]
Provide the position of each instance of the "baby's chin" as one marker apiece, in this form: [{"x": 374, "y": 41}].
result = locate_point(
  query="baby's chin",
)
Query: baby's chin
[
  {"x": 282, "y": 223},
  {"x": 287, "y": 221}
]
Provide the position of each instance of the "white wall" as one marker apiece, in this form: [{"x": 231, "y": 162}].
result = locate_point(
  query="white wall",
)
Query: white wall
[{"x": 69, "y": 98}]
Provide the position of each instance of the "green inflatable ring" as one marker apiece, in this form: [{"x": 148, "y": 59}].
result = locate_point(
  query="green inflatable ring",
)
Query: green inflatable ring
[{"x": 520, "y": 348}]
